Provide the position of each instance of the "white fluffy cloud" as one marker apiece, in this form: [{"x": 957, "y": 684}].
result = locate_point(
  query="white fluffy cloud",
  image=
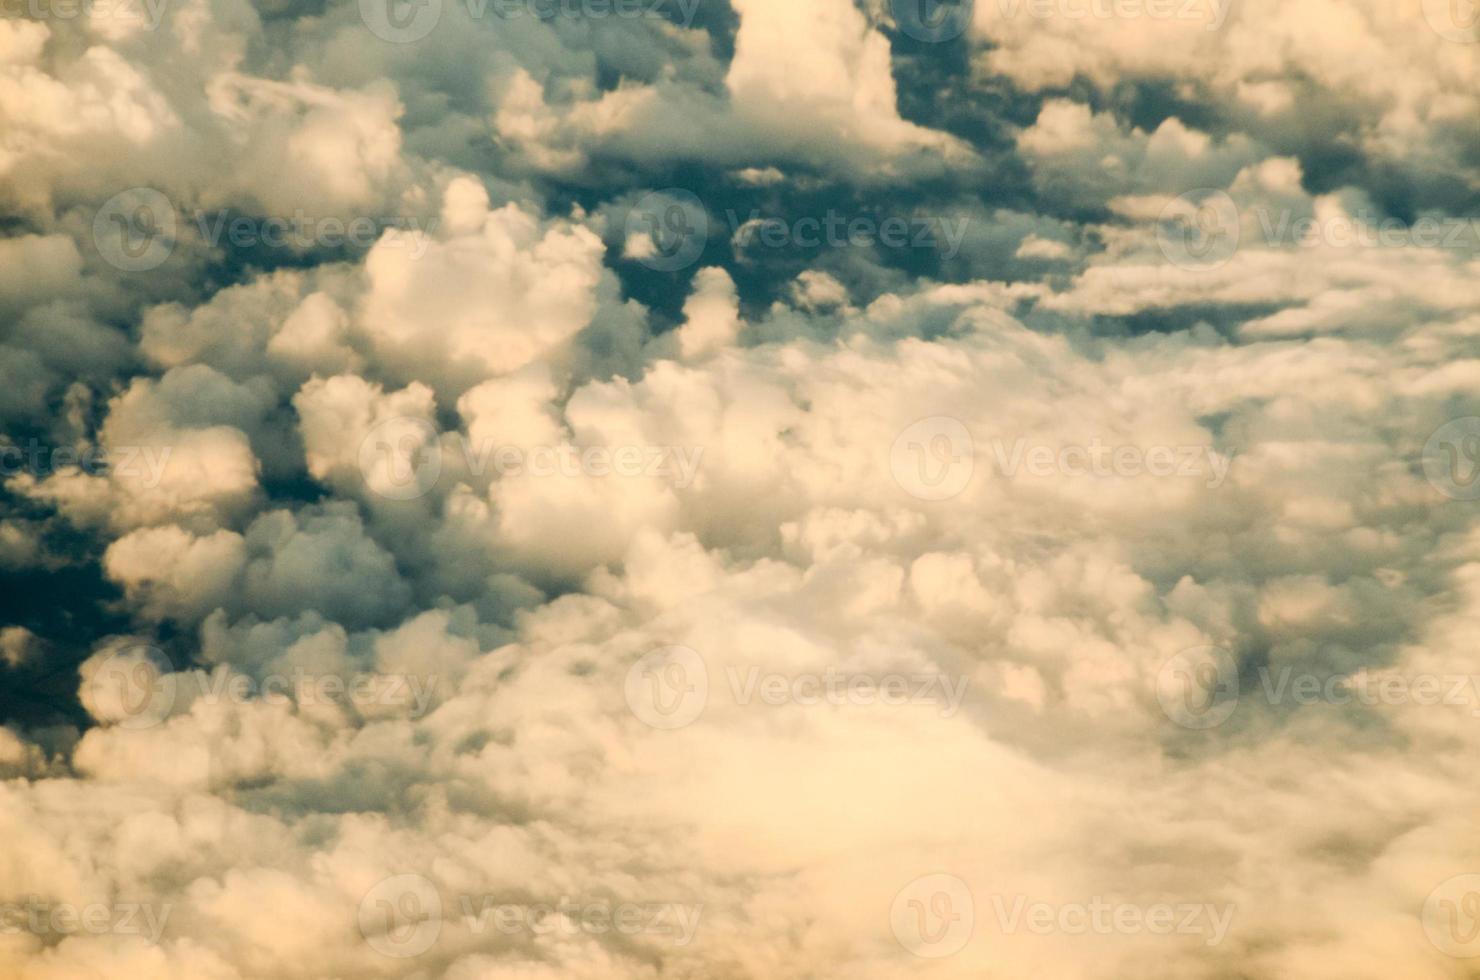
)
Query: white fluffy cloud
[{"x": 832, "y": 621}]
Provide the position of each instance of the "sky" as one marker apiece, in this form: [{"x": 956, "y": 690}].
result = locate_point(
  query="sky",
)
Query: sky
[{"x": 724, "y": 489}]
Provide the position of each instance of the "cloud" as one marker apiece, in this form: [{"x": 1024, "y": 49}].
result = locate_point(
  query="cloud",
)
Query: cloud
[{"x": 495, "y": 594}]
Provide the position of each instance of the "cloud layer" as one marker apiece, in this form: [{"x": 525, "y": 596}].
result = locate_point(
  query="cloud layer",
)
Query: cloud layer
[{"x": 631, "y": 488}]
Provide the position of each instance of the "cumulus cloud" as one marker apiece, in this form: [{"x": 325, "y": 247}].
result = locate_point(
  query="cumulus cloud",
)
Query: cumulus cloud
[{"x": 510, "y": 571}]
